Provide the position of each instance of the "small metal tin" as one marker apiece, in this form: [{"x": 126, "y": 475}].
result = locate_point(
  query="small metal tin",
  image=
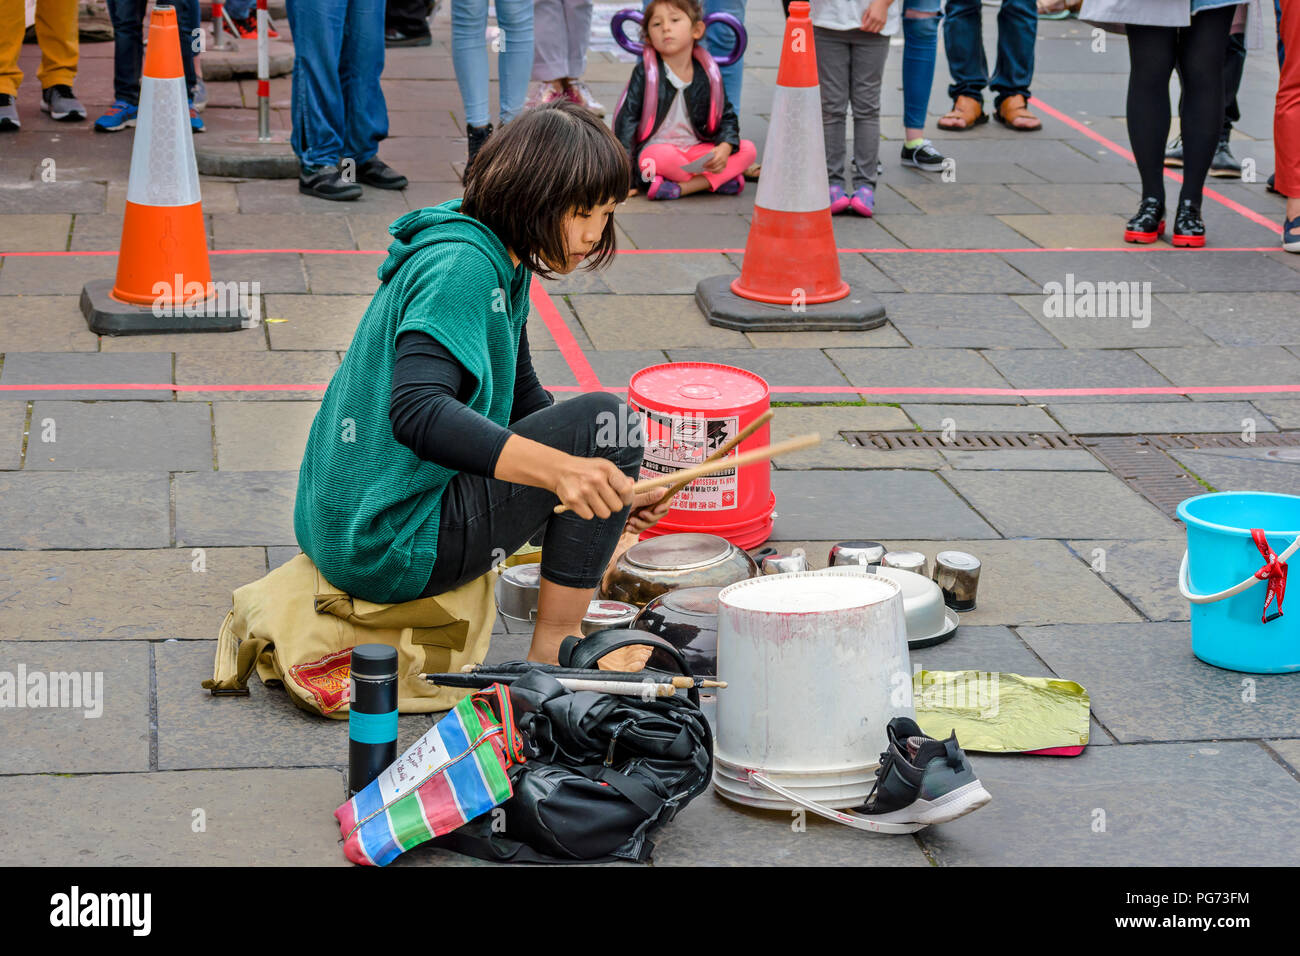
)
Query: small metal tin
[
  {"x": 958, "y": 576},
  {"x": 913, "y": 561},
  {"x": 517, "y": 590},
  {"x": 855, "y": 553},
  {"x": 783, "y": 563},
  {"x": 603, "y": 614}
]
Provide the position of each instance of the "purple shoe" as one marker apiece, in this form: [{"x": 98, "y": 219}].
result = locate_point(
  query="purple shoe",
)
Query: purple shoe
[
  {"x": 662, "y": 188},
  {"x": 732, "y": 186},
  {"x": 839, "y": 201},
  {"x": 863, "y": 201}
]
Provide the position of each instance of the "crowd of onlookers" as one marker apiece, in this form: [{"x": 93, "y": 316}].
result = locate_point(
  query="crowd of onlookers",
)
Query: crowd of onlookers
[{"x": 678, "y": 118}]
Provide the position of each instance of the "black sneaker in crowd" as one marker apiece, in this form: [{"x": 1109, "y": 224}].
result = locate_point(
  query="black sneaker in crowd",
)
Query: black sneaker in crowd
[
  {"x": 1174, "y": 154},
  {"x": 1225, "y": 165},
  {"x": 921, "y": 781},
  {"x": 478, "y": 135},
  {"x": 924, "y": 156},
  {"x": 326, "y": 182},
  {"x": 397, "y": 38},
  {"x": 375, "y": 172}
]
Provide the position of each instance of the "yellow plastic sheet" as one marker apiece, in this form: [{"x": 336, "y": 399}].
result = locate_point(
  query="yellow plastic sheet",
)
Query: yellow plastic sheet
[{"x": 1001, "y": 713}]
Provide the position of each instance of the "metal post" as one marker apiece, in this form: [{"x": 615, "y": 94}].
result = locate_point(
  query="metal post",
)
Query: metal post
[
  {"x": 263, "y": 74},
  {"x": 220, "y": 39}
]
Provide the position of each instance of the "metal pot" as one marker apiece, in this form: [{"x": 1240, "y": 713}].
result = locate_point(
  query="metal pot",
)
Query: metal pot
[
  {"x": 688, "y": 619},
  {"x": 849, "y": 553},
  {"x": 672, "y": 561},
  {"x": 516, "y": 591},
  {"x": 602, "y": 615}
]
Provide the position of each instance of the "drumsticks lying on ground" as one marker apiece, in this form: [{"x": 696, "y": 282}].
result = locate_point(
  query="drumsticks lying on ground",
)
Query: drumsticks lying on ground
[
  {"x": 629, "y": 538},
  {"x": 709, "y": 468}
]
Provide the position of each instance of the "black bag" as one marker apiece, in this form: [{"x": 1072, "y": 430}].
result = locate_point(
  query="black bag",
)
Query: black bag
[{"x": 604, "y": 771}]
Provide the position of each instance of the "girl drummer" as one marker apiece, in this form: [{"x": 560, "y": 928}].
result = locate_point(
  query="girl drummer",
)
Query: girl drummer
[{"x": 436, "y": 451}]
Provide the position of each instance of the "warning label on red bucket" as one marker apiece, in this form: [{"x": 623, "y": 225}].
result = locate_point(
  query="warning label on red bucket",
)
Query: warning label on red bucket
[{"x": 676, "y": 441}]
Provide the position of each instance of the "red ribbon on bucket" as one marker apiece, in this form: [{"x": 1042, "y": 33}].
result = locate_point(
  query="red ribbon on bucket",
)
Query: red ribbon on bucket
[{"x": 1275, "y": 571}]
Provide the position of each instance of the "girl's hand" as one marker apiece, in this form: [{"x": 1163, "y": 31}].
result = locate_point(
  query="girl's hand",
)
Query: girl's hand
[
  {"x": 592, "y": 487},
  {"x": 647, "y": 509},
  {"x": 873, "y": 21},
  {"x": 718, "y": 157}
]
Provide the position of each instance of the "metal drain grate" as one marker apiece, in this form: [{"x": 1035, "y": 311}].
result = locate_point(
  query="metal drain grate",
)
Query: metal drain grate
[
  {"x": 893, "y": 441},
  {"x": 1230, "y": 440},
  {"x": 1143, "y": 466}
]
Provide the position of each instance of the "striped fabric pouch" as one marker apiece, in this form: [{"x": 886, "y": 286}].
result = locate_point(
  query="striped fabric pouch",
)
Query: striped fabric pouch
[{"x": 454, "y": 773}]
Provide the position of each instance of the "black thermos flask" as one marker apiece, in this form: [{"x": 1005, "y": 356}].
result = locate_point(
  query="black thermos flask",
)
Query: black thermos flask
[{"x": 372, "y": 717}]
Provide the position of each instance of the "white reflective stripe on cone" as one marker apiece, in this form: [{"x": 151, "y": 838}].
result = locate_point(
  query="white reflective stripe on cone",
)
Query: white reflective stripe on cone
[
  {"x": 794, "y": 159},
  {"x": 163, "y": 170}
]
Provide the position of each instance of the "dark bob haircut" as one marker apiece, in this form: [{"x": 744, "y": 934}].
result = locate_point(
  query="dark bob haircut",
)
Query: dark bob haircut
[
  {"x": 543, "y": 166},
  {"x": 689, "y": 7}
]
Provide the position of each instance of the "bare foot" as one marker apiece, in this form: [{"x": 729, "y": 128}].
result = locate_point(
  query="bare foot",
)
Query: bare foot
[{"x": 630, "y": 658}]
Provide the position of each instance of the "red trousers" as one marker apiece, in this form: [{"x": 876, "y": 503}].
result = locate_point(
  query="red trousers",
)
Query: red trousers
[{"x": 1286, "y": 118}]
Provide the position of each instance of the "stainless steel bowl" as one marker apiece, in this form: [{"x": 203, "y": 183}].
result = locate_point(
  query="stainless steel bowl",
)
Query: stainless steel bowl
[
  {"x": 848, "y": 553},
  {"x": 783, "y": 563},
  {"x": 662, "y": 564}
]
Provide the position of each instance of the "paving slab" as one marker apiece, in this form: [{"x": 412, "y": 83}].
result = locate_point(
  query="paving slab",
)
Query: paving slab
[
  {"x": 783, "y": 369},
  {"x": 1209, "y": 365},
  {"x": 876, "y": 505},
  {"x": 1284, "y": 412},
  {"x": 1029, "y": 582},
  {"x": 1140, "y": 321},
  {"x": 1080, "y": 199},
  {"x": 235, "y": 508},
  {"x": 69, "y": 510},
  {"x": 277, "y": 556},
  {"x": 1128, "y": 265},
  {"x": 267, "y": 368},
  {"x": 1146, "y": 684},
  {"x": 1079, "y": 368},
  {"x": 1068, "y": 231},
  {"x": 148, "y": 819},
  {"x": 663, "y": 275},
  {"x": 282, "y": 196},
  {"x": 922, "y": 367},
  {"x": 966, "y": 321},
  {"x": 38, "y": 323},
  {"x": 256, "y": 436},
  {"x": 662, "y": 321},
  {"x": 955, "y": 232},
  {"x": 120, "y": 436},
  {"x": 982, "y": 418},
  {"x": 56, "y": 197},
  {"x": 617, "y": 368},
  {"x": 341, "y": 275},
  {"x": 101, "y": 720},
  {"x": 280, "y": 231},
  {"x": 35, "y": 232},
  {"x": 1262, "y": 469},
  {"x": 13, "y": 421},
  {"x": 265, "y": 729},
  {"x": 1153, "y": 797},
  {"x": 1240, "y": 319},
  {"x": 1210, "y": 271},
  {"x": 314, "y": 322},
  {"x": 552, "y": 369},
  {"x": 1143, "y": 572},
  {"x": 947, "y": 272},
  {"x": 272, "y": 271},
  {"x": 966, "y": 199},
  {"x": 49, "y": 368},
  {"x": 1289, "y": 750},
  {"x": 1021, "y": 459},
  {"x": 828, "y": 421},
  {"x": 241, "y": 340},
  {"x": 1060, "y": 505},
  {"x": 149, "y": 595},
  {"x": 686, "y": 229},
  {"x": 1136, "y": 418}
]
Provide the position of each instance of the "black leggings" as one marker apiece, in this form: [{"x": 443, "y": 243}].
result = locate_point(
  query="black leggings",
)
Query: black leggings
[
  {"x": 485, "y": 520},
  {"x": 1198, "y": 50}
]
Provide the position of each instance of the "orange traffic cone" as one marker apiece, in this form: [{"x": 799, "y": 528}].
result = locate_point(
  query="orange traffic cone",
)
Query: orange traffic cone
[
  {"x": 790, "y": 277},
  {"x": 163, "y": 255}
]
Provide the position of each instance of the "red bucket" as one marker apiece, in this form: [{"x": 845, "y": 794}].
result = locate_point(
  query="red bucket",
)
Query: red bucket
[{"x": 688, "y": 411}]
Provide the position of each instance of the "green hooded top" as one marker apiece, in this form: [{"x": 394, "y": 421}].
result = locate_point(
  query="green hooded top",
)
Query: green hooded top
[{"x": 367, "y": 508}]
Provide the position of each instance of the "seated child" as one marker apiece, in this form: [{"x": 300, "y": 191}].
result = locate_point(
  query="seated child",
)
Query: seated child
[
  {"x": 852, "y": 38},
  {"x": 698, "y": 123}
]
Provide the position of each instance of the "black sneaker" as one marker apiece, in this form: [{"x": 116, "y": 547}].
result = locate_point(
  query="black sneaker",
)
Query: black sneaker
[
  {"x": 478, "y": 135},
  {"x": 921, "y": 781},
  {"x": 924, "y": 156},
  {"x": 326, "y": 182},
  {"x": 1174, "y": 154},
  {"x": 1225, "y": 165},
  {"x": 375, "y": 172},
  {"x": 397, "y": 38}
]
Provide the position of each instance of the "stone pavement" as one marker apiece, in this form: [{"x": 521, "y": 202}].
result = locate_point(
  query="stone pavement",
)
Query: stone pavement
[{"x": 128, "y": 515}]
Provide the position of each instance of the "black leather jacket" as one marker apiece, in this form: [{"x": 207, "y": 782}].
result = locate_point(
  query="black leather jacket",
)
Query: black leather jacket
[{"x": 697, "y": 108}]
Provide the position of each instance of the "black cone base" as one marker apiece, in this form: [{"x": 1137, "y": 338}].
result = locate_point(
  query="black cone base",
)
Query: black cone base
[
  {"x": 856, "y": 312},
  {"x": 107, "y": 316}
]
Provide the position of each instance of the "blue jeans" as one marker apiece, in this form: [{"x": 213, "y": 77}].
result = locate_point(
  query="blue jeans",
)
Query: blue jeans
[
  {"x": 240, "y": 9},
  {"x": 338, "y": 105},
  {"x": 469, "y": 55},
  {"x": 920, "y": 47},
  {"x": 128, "y": 44},
  {"x": 964, "y": 41},
  {"x": 720, "y": 41}
]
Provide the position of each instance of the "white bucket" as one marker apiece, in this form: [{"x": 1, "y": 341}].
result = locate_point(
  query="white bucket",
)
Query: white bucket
[{"x": 812, "y": 664}]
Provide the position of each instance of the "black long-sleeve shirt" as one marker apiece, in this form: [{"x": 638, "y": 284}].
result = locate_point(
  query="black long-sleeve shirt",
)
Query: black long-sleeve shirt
[{"x": 428, "y": 411}]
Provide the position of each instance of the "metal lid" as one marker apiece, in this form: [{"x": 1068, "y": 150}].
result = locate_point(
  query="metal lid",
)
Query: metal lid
[
  {"x": 957, "y": 559},
  {"x": 678, "y": 552},
  {"x": 374, "y": 661},
  {"x": 609, "y": 613}
]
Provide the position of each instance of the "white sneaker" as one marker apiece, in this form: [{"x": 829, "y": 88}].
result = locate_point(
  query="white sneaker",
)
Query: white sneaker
[
  {"x": 543, "y": 91},
  {"x": 588, "y": 100}
]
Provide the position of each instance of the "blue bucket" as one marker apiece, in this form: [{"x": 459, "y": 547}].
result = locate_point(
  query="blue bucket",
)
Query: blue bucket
[{"x": 1221, "y": 555}]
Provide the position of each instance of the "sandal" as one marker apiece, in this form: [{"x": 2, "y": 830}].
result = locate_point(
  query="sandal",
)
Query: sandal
[
  {"x": 1012, "y": 112},
  {"x": 966, "y": 113}
]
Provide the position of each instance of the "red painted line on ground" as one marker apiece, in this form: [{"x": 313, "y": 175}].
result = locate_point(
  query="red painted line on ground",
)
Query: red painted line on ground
[
  {"x": 586, "y": 376},
  {"x": 776, "y": 389},
  {"x": 1110, "y": 144}
]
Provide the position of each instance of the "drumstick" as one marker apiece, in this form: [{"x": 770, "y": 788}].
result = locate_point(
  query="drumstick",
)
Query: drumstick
[
  {"x": 710, "y": 468},
  {"x": 748, "y": 430}
]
